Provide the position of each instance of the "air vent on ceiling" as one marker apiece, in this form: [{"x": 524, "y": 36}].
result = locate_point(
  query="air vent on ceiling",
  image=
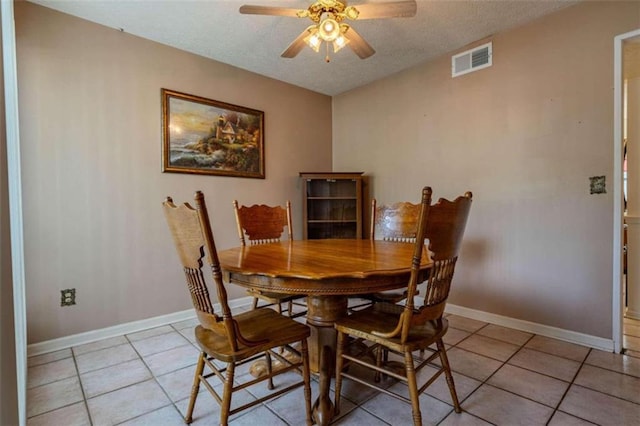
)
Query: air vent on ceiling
[{"x": 471, "y": 60}]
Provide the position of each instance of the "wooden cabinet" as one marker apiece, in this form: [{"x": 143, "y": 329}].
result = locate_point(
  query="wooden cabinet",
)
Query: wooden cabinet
[{"x": 332, "y": 205}]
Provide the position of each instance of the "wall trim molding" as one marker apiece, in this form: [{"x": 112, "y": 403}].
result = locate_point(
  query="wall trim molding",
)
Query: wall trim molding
[
  {"x": 134, "y": 326},
  {"x": 14, "y": 186},
  {"x": 633, "y": 314},
  {"x": 120, "y": 329},
  {"x": 535, "y": 328}
]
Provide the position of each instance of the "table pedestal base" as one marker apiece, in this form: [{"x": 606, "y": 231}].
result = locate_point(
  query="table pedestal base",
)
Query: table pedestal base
[{"x": 322, "y": 312}]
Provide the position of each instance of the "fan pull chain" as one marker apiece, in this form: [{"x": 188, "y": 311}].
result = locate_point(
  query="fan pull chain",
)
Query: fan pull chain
[{"x": 327, "y": 59}]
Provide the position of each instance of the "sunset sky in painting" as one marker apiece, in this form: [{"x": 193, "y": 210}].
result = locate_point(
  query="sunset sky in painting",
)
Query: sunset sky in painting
[{"x": 188, "y": 118}]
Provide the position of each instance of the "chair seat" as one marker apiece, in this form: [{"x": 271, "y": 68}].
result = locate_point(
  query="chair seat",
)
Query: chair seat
[
  {"x": 273, "y": 297},
  {"x": 277, "y": 299},
  {"x": 264, "y": 325},
  {"x": 391, "y": 296},
  {"x": 383, "y": 317}
]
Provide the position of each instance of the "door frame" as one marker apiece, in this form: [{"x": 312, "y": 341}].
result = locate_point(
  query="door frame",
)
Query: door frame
[
  {"x": 618, "y": 211},
  {"x": 15, "y": 203}
]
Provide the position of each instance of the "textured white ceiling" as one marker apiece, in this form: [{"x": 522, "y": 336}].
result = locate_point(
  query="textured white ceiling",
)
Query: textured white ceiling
[{"x": 215, "y": 29}]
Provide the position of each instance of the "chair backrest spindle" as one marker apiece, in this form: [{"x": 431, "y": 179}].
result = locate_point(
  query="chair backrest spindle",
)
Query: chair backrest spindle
[
  {"x": 193, "y": 239},
  {"x": 425, "y": 207}
]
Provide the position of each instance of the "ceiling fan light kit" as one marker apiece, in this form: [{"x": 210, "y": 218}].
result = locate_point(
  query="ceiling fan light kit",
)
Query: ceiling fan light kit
[{"x": 328, "y": 27}]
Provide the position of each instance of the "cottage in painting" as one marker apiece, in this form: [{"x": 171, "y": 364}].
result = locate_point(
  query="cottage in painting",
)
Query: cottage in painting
[{"x": 226, "y": 130}]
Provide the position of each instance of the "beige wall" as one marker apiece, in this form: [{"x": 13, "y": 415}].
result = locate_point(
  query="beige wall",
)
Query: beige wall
[
  {"x": 8, "y": 390},
  {"x": 91, "y": 139},
  {"x": 525, "y": 136}
]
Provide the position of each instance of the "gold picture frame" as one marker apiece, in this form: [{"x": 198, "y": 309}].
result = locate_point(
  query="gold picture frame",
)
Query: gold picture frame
[{"x": 209, "y": 137}]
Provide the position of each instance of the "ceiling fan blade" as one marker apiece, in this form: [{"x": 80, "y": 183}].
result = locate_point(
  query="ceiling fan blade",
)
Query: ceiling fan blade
[
  {"x": 296, "y": 45},
  {"x": 268, "y": 10},
  {"x": 396, "y": 9},
  {"x": 358, "y": 44}
]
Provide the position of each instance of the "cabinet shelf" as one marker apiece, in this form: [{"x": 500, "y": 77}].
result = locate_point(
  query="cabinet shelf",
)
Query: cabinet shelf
[{"x": 332, "y": 205}]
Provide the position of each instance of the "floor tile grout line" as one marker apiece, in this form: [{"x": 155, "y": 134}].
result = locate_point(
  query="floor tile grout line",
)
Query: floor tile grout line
[
  {"x": 360, "y": 404},
  {"x": 609, "y": 370},
  {"x": 571, "y": 383},
  {"x": 86, "y": 399},
  {"x": 569, "y": 387},
  {"x": 155, "y": 379},
  {"x": 98, "y": 349},
  {"x": 486, "y": 380},
  {"x": 84, "y": 395},
  {"x": 582, "y": 364},
  {"x": 574, "y": 415},
  {"x": 540, "y": 372},
  {"x": 53, "y": 360},
  {"x": 606, "y": 394},
  {"x": 141, "y": 415},
  {"x": 77, "y": 375},
  {"x": 523, "y": 346}
]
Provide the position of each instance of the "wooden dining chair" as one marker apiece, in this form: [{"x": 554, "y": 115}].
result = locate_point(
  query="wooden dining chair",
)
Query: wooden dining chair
[
  {"x": 224, "y": 338},
  {"x": 262, "y": 224},
  {"x": 397, "y": 222},
  {"x": 405, "y": 329}
]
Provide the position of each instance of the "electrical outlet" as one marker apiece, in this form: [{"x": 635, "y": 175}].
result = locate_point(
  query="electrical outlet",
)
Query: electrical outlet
[
  {"x": 68, "y": 297},
  {"x": 598, "y": 185}
]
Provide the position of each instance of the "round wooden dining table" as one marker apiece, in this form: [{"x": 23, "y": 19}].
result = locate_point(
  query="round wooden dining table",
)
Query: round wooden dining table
[{"x": 327, "y": 272}]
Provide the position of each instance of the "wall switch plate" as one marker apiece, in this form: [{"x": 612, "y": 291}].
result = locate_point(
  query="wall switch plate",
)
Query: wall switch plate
[
  {"x": 68, "y": 297},
  {"x": 598, "y": 185}
]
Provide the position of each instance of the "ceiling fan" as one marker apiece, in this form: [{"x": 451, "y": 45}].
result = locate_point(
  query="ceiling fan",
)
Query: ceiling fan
[{"x": 328, "y": 26}]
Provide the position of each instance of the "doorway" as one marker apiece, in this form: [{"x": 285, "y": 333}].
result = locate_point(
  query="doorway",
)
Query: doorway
[{"x": 626, "y": 272}]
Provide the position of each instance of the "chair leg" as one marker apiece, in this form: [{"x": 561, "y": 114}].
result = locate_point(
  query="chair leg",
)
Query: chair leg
[
  {"x": 267, "y": 355},
  {"x": 255, "y": 303},
  {"x": 290, "y": 307},
  {"x": 225, "y": 405},
  {"x": 195, "y": 388},
  {"x": 413, "y": 388},
  {"x": 306, "y": 373},
  {"x": 339, "y": 365},
  {"x": 377, "y": 375},
  {"x": 447, "y": 373}
]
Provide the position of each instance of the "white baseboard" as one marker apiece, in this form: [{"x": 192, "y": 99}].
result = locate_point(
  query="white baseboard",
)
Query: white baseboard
[
  {"x": 121, "y": 329},
  {"x": 633, "y": 314},
  {"x": 132, "y": 327},
  {"x": 535, "y": 328}
]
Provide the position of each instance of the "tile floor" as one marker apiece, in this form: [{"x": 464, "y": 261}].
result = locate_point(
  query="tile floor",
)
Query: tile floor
[{"x": 503, "y": 377}]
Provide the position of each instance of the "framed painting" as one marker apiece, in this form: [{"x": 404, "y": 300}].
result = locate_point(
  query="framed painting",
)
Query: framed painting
[{"x": 210, "y": 137}]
